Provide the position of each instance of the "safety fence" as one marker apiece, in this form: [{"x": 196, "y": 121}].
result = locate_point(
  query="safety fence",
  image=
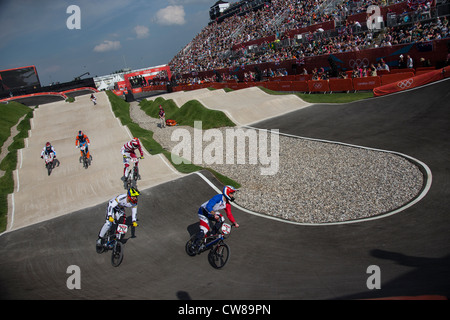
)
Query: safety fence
[
  {"x": 303, "y": 83},
  {"x": 412, "y": 82},
  {"x": 63, "y": 94}
]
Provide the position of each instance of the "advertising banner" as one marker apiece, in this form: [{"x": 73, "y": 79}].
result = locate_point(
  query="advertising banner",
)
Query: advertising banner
[{"x": 409, "y": 83}]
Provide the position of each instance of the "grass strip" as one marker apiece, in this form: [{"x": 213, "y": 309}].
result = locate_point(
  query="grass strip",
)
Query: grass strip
[
  {"x": 191, "y": 111},
  {"x": 11, "y": 113}
]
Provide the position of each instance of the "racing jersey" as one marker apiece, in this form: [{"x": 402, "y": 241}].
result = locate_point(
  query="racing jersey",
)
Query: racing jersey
[
  {"x": 128, "y": 148},
  {"x": 120, "y": 202},
  {"x": 218, "y": 202},
  {"x": 47, "y": 151},
  {"x": 79, "y": 140}
]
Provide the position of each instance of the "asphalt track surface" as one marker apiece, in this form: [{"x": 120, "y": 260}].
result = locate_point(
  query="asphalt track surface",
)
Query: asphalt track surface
[{"x": 269, "y": 259}]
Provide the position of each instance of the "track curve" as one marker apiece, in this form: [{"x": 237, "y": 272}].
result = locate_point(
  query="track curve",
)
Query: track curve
[{"x": 269, "y": 259}]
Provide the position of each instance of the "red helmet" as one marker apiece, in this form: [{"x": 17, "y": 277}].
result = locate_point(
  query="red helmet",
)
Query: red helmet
[
  {"x": 228, "y": 192},
  {"x": 135, "y": 142},
  {"x": 48, "y": 144}
]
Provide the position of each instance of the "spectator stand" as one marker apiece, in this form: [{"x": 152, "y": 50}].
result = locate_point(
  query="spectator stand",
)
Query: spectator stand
[{"x": 255, "y": 43}]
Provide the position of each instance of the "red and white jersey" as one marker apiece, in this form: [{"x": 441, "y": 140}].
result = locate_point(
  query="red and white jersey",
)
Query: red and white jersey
[{"x": 129, "y": 148}]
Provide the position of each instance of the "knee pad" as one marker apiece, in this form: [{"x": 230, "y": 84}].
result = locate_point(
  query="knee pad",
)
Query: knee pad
[{"x": 204, "y": 224}]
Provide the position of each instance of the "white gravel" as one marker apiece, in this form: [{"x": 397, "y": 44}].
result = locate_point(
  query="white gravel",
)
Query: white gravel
[{"x": 316, "y": 182}]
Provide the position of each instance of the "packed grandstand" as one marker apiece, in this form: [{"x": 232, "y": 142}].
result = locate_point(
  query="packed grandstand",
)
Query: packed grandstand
[
  {"x": 257, "y": 39},
  {"x": 260, "y": 42}
]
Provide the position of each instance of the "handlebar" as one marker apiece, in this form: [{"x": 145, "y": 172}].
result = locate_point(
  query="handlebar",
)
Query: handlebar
[{"x": 133, "y": 159}]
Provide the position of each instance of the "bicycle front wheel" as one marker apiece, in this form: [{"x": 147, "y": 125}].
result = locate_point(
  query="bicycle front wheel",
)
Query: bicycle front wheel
[
  {"x": 117, "y": 254},
  {"x": 219, "y": 255}
]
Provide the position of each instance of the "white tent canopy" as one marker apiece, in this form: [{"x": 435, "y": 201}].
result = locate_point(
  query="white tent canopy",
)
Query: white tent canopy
[{"x": 102, "y": 86}]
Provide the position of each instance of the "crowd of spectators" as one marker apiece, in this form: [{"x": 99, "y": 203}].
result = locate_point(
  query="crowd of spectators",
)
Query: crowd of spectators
[
  {"x": 417, "y": 32},
  {"x": 212, "y": 48},
  {"x": 138, "y": 81}
]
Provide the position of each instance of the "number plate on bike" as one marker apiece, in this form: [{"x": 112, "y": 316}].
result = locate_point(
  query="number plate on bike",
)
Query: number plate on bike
[
  {"x": 226, "y": 228},
  {"x": 122, "y": 228}
]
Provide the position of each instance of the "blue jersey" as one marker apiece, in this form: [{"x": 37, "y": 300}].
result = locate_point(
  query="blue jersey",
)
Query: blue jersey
[{"x": 218, "y": 202}]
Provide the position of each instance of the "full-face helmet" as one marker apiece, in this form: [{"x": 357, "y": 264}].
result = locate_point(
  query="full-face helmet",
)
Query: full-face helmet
[
  {"x": 228, "y": 192},
  {"x": 132, "y": 195},
  {"x": 135, "y": 142}
]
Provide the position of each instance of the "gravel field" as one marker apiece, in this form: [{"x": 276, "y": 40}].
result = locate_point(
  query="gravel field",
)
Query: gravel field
[{"x": 311, "y": 181}]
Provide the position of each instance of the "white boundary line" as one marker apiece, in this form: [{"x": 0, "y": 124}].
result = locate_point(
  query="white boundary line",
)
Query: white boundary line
[
  {"x": 428, "y": 178},
  {"x": 18, "y": 182},
  {"x": 21, "y": 155},
  {"x": 12, "y": 214},
  {"x": 167, "y": 163}
]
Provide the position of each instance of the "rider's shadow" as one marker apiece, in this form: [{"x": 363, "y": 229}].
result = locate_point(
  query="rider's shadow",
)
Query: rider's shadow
[{"x": 193, "y": 228}]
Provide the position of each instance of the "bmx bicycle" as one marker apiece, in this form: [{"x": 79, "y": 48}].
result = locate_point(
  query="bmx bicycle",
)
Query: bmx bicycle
[
  {"x": 219, "y": 251},
  {"x": 113, "y": 240},
  {"x": 133, "y": 174},
  {"x": 84, "y": 159},
  {"x": 50, "y": 162}
]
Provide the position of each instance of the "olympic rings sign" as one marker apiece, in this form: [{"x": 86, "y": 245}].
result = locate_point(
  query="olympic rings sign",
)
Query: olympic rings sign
[
  {"x": 317, "y": 85},
  {"x": 358, "y": 63},
  {"x": 404, "y": 84}
]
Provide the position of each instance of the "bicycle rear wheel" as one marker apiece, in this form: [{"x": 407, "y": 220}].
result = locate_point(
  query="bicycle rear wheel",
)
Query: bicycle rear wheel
[
  {"x": 128, "y": 182},
  {"x": 219, "y": 255},
  {"x": 117, "y": 254},
  {"x": 99, "y": 249},
  {"x": 85, "y": 162},
  {"x": 135, "y": 177},
  {"x": 189, "y": 250}
]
